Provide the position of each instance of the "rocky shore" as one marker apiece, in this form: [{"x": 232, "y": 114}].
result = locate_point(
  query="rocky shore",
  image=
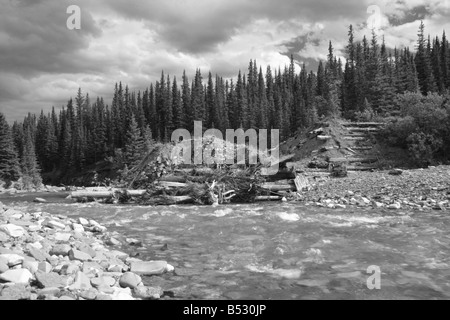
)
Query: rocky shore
[
  {"x": 419, "y": 189},
  {"x": 47, "y": 257}
]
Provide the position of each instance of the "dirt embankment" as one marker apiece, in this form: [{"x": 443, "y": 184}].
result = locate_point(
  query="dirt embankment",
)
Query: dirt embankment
[{"x": 339, "y": 141}]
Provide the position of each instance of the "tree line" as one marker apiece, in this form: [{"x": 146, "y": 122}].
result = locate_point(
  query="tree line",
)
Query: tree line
[{"x": 87, "y": 131}]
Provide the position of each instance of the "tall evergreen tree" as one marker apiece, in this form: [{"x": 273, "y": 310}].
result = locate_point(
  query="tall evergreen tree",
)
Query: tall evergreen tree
[{"x": 9, "y": 161}]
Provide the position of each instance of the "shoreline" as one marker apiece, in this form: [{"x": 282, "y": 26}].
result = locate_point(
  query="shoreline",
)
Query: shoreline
[
  {"x": 420, "y": 189},
  {"x": 53, "y": 257}
]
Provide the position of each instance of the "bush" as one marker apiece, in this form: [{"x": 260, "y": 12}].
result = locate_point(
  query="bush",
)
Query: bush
[
  {"x": 398, "y": 130},
  {"x": 423, "y": 147}
]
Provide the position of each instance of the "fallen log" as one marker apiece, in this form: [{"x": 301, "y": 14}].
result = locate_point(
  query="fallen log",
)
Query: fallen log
[
  {"x": 267, "y": 198},
  {"x": 168, "y": 200},
  {"x": 107, "y": 194},
  {"x": 277, "y": 187},
  {"x": 169, "y": 184}
]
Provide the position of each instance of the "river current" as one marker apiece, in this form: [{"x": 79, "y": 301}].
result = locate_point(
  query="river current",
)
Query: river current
[{"x": 278, "y": 251}]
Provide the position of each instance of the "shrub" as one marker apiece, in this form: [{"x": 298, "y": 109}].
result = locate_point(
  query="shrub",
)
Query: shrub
[
  {"x": 423, "y": 147},
  {"x": 398, "y": 130}
]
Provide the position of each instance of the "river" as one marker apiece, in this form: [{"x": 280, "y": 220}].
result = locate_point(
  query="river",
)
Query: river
[{"x": 277, "y": 251}]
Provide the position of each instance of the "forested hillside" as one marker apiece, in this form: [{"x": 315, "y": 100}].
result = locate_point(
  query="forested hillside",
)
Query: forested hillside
[{"x": 373, "y": 81}]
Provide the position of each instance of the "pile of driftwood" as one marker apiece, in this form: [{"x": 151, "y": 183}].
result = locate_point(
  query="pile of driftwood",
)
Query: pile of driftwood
[
  {"x": 158, "y": 180},
  {"x": 197, "y": 190}
]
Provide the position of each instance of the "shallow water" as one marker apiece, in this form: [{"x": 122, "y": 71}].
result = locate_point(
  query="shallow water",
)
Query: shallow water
[{"x": 279, "y": 251}]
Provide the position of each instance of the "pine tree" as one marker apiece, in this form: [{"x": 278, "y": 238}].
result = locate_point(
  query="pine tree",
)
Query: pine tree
[
  {"x": 423, "y": 64},
  {"x": 136, "y": 146},
  {"x": 9, "y": 161},
  {"x": 29, "y": 164},
  {"x": 177, "y": 106}
]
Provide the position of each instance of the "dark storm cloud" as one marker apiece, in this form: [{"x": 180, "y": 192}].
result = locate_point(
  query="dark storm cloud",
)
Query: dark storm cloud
[
  {"x": 196, "y": 26},
  {"x": 35, "y": 39},
  {"x": 407, "y": 16}
]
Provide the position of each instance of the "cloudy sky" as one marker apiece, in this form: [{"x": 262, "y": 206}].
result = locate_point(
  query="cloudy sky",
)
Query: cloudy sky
[{"x": 43, "y": 63}]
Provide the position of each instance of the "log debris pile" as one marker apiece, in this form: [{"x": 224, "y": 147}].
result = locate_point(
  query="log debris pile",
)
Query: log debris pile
[{"x": 160, "y": 180}]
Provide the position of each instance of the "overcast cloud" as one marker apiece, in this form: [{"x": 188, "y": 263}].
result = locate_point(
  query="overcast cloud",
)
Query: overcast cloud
[{"x": 42, "y": 63}]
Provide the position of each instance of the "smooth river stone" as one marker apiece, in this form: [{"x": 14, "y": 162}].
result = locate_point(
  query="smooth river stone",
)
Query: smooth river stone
[{"x": 149, "y": 268}]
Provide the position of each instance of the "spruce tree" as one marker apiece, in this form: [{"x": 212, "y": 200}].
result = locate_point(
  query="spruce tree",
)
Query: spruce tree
[
  {"x": 30, "y": 168},
  {"x": 9, "y": 161}
]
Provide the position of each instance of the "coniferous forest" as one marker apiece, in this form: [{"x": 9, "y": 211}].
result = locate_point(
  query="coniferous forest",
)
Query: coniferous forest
[{"x": 409, "y": 87}]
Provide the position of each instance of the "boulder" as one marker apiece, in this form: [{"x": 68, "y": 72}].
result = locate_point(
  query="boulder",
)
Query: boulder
[
  {"x": 16, "y": 276},
  {"x": 69, "y": 269},
  {"x": 61, "y": 250},
  {"x": 63, "y": 237},
  {"x": 49, "y": 280},
  {"x": 54, "y": 224},
  {"x": 11, "y": 259},
  {"x": 90, "y": 294},
  {"x": 32, "y": 266},
  {"x": 129, "y": 280},
  {"x": 38, "y": 254},
  {"x": 122, "y": 294},
  {"x": 82, "y": 282},
  {"x": 77, "y": 227},
  {"x": 83, "y": 222},
  {"x": 17, "y": 292},
  {"x": 148, "y": 268},
  {"x": 79, "y": 255},
  {"x": 3, "y": 267},
  {"x": 49, "y": 291},
  {"x": 103, "y": 281},
  {"x": 83, "y": 247},
  {"x": 395, "y": 206},
  {"x": 3, "y": 237},
  {"x": 13, "y": 230},
  {"x": 40, "y": 200},
  {"x": 45, "y": 267}
]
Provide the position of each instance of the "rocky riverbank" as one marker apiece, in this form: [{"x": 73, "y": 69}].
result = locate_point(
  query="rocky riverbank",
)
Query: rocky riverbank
[
  {"x": 47, "y": 257},
  {"x": 419, "y": 189}
]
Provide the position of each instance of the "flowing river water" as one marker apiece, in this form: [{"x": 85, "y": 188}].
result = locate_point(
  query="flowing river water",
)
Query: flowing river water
[{"x": 278, "y": 251}]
